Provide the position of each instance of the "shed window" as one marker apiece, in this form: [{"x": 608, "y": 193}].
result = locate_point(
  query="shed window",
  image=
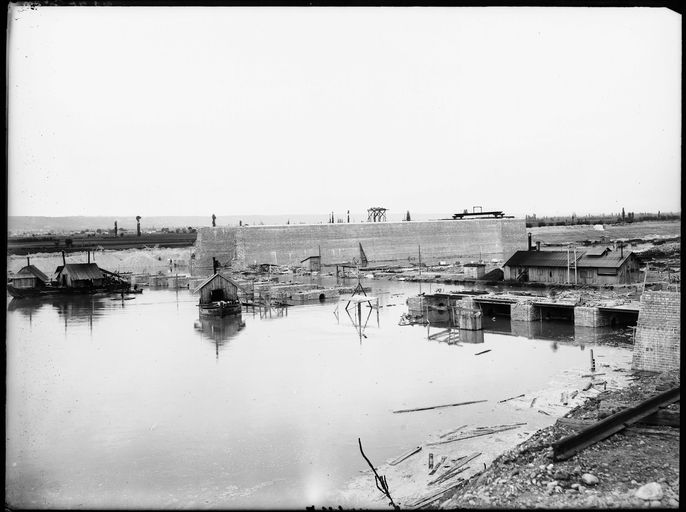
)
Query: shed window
[{"x": 607, "y": 271}]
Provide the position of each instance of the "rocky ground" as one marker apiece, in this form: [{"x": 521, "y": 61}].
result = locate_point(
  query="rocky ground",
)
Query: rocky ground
[{"x": 634, "y": 468}]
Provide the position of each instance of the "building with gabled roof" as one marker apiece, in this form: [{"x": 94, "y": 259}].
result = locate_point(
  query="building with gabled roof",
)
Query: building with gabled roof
[
  {"x": 598, "y": 266},
  {"x": 79, "y": 275},
  {"x": 29, "y": 276}
]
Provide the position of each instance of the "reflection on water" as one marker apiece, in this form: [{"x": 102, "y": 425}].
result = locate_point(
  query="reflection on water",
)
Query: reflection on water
[
  {"x": 560, "y": 331},
  {"x": 133, "y": 407},
  {"x": 219, "y": 330}
]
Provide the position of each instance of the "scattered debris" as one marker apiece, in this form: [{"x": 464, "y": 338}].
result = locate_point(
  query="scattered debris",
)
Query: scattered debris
[
  {"x": 458, "y": 468},
  {"x": 479, "y": 431},
  {"x": 437, "y": 466}
]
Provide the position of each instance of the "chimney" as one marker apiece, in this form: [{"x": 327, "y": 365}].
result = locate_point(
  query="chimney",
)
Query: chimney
[
  {"x": 529, "y": 242},
  {"x": 621, "y": 250},
  {"x": 89, "y": 255},
  {"x": 28, "y": 260},
  {"x": 64, "y": 259},
  {"x": 215, "y": 264},
  {"x": 538, "y": 245}
]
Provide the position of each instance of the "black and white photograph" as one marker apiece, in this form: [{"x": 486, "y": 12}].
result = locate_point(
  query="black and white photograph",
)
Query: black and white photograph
[{"x": 329, "y": 258}]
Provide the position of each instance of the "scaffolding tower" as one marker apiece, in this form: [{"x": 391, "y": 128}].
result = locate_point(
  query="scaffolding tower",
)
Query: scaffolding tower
[{"x": 376, "y": 214}]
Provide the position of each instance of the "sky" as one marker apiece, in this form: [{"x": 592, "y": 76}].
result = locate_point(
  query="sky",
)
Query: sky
[{"x": 188, "y": 111}]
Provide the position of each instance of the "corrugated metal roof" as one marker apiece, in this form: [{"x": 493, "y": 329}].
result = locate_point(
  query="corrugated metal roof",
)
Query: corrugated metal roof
[
  {"x": 612, "y": 259},
  {"x": 211, "y": 278},
  {"x": 35, "y": 271},
  {"x": 540, "y": 259},
  {"x": 82, "y": 271}
]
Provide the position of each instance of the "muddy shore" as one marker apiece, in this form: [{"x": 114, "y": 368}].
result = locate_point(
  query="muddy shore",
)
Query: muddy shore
[
  {"x": 637, "y": 467},
  {"x": 411, "y": 481}
]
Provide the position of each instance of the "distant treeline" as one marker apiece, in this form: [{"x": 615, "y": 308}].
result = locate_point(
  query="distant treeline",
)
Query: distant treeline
[{"x": 611, "y": 218}]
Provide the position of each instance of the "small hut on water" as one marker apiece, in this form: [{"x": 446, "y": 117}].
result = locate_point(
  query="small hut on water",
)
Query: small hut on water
[{"x": 218, "y": 296}]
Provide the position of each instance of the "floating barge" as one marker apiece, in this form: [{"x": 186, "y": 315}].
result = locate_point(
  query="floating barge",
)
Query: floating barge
[
  {"x": 218, "y": 296},
  {"x": 68, "y": 279}
]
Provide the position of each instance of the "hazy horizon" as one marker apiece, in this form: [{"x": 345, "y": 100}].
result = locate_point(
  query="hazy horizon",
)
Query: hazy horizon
[
  {"x": 265, "y": 110},
  {"x": 73, "y": 222}
]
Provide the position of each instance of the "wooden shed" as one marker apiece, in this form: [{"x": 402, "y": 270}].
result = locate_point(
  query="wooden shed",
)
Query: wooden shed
[
  {"x": 217, "y": 288},
  {"x": 314, "y": 263},
  {"x": 29, "y": 276},
  {"x": 598, "y": 266},
  {"x": 80, "y": 275}
]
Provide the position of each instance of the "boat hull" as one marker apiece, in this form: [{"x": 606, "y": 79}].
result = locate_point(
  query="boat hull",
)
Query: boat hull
[
  {"x": 220, "y": 308},
  {"x": 21, "y": 293}
]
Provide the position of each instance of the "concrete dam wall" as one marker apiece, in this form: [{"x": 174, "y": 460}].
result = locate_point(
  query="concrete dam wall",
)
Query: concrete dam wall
[{"x": 383, "y": 242}]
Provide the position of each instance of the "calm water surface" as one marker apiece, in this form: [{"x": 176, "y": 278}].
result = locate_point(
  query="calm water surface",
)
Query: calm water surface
[{"x": 139, "y": 403}]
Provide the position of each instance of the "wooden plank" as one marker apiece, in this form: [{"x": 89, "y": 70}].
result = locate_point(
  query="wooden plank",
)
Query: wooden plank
[
  {"x": 405, "y": 455},
  {"x": 440, "y": 463},
  {"x": 439, "y": 406},
  {"x": 432, "y": 497},
  {"x": 572, "y": 444},
  {"x": 642, "y": 430},
  {"x": 477, "y": 433},
  {"x": 452, "y": 431},
  {"x": 511, "y": 398},
  {"x": 455, "y": 469},
  {"x": 663, "y": 417},
  {"x": 482, "y": 352}
]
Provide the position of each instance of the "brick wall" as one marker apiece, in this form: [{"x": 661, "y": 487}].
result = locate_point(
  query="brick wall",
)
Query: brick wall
[{"x": 658, "y": 332}]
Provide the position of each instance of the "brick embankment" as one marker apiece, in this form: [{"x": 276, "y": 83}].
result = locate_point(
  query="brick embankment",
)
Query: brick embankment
[{"x": 634, "y": 468}]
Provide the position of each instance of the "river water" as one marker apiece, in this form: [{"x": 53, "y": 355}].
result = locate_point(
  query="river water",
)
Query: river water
[{"x": 139, "y": 403}]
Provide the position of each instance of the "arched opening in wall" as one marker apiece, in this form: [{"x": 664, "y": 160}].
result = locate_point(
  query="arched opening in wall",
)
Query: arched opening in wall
[{"x": 322, "y": 297}]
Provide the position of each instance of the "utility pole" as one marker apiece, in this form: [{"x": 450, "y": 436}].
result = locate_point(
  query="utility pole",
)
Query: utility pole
[
  {"x": 420, "y": 259},
  {"x": 575, "y": 278}
]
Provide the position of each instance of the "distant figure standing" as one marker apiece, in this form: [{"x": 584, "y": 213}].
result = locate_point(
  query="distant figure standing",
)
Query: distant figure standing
[
  {"x": 115, "y": 229},
  {"x": 213, "y": 219},
  {"x": 138, "y": 225}
]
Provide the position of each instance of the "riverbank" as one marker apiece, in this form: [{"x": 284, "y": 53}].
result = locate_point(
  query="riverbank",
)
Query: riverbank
[
  {"x": 410, "y": 481},
  {"x": 635, "y": 468}
]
